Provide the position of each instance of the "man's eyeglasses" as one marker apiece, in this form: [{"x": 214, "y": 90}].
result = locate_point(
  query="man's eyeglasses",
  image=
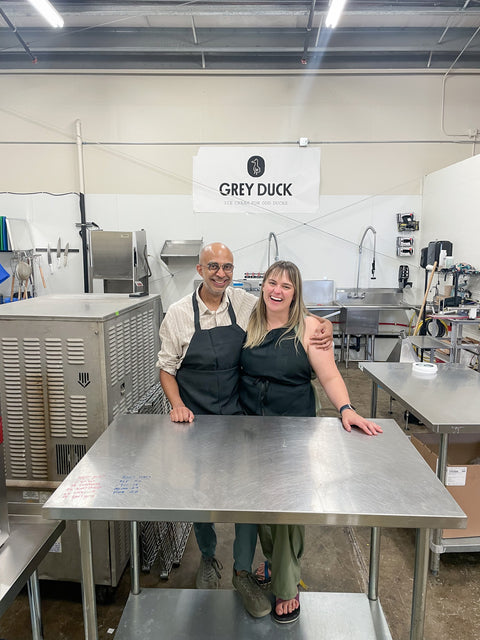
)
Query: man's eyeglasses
[{"x": 213, "y": 267}]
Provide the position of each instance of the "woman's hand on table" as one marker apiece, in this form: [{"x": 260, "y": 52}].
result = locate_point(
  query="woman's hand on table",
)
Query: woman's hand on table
[{"x": 351, "y": 419}]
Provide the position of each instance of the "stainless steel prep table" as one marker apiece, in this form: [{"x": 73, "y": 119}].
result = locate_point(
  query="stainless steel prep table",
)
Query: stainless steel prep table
[
  {"x": 31, "y": 537},
  {"x": 448, "y": 402},
  {"x": 254, "y": 469}
]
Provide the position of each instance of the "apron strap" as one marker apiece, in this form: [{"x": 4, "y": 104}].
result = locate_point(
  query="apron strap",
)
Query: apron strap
[{"x": 196, "y": 313}]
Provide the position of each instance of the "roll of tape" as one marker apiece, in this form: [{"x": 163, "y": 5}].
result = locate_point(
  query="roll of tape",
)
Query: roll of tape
[{"x": 424, "y": 368}]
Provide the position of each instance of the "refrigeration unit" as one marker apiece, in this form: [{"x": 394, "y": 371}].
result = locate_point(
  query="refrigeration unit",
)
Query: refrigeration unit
[
  {"x": 4, "y": 525},
  {"x": 119, "y": 258},
  {"x": 70, "y": 365}
]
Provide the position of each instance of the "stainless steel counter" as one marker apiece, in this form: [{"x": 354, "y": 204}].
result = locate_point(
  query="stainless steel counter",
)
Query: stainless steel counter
[
  {"x": 146, "y": 468},
  {"x": 30, "y": 539},
  {"x": 446, "y": 403}
]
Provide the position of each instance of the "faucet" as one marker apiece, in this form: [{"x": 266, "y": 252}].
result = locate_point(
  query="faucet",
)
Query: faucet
[
  {"x": 355, "y": 294},
  {"x": 272, "y": 236}
]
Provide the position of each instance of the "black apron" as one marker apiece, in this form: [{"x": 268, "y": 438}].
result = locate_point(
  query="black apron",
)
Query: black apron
[
  {"x": 276, "y": 378},
  {"x": 208, "y": 376}
]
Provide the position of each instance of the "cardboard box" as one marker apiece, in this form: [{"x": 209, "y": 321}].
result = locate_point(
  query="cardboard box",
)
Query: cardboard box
[{"x": 462, "y": 478}]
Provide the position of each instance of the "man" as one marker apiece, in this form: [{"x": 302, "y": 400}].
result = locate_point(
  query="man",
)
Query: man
[{"x": 202, "y": 337}]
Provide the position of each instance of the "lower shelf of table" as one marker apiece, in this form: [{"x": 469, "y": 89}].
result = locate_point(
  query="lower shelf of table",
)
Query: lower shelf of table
[
  {"x": 177, "y": 614},
  {"x": 461, "y": 545}
]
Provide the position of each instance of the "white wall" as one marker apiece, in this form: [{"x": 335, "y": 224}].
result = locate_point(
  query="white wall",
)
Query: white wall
[{"x": 379, "y": 135}]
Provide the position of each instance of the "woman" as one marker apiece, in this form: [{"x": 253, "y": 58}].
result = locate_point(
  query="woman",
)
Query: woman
[{"x": 276, "y": 379}]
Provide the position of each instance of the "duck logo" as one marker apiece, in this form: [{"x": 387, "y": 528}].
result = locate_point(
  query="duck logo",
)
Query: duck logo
[
  {"x": 83, "y": 379},
  {"x": 256, "y": 166}
]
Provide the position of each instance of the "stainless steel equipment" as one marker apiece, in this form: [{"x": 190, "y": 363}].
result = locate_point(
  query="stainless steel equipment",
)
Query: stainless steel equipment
[
  {"x": 4, "y": 525},
  {"x": 356, "y": 293},
  {"x": 444, "y": 405},
  {"x": 71, "y": 364},
  {"x": 120, "y": 259},
  {"x": 174, "y": 474},
  {"x": 318, "y": 292}
]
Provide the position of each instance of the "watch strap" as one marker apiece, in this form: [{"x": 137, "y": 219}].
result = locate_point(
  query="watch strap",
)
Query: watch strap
[{"x": 346, "y": 406}]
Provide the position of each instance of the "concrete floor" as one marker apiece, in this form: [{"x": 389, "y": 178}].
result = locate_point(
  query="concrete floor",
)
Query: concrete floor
[{"x": 336, "y": 560}]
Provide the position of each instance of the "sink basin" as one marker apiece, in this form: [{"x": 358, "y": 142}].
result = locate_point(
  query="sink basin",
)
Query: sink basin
[{"x": 360, "y": 315}]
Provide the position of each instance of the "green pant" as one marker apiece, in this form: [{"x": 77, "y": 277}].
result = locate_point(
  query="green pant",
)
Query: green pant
[{"x": 283, "y": 546}]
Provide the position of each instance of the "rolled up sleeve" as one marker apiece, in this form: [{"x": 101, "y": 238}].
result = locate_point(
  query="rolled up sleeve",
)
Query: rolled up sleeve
[{"x": 172, "y": 351}]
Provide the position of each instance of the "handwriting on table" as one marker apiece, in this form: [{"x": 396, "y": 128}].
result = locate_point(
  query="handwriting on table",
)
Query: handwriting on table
[
  {"x": 84, "y": 487},
  {"x": 129, "y": 484},
  {"x": 87, "y": 486}
]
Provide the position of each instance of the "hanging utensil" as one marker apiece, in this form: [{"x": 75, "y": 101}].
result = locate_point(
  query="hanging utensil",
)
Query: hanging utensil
[
  {"x": 39, "y": 263},
  {"x": 49, "y": 258},
  {"x": 59, "y": 252},
  {"x": 23, "y": 272},
  {"x": 13, "y": 285},
  {"x": 65, "y": 254}
]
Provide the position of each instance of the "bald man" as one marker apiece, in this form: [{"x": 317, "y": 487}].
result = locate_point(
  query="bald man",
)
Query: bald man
[{"x": 202, "y": 337}]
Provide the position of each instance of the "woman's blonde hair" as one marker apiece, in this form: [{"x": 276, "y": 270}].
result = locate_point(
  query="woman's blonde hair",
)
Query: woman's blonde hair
[{"x": 257, "y": 327}]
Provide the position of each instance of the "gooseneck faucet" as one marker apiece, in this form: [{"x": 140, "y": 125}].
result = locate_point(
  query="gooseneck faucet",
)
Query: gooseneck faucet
[
  {"x": 360, "y": 246},
  {"x": 272, "y": 236}
]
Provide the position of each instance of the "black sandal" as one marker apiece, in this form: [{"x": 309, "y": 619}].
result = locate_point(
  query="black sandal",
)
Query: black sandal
[{"x": 284, "y": 618}]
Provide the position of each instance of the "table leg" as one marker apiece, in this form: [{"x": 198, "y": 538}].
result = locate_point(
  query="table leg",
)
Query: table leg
[
  {"x": 373, "y": 404},
  {"x": 374, "y": 563},
  {"x": 454, "y": 342},
  {"x": 33, "y": 589},
  {"x": 88, "y": 581},
  {"x": 419, "y": 584},
  {"x": 134, "y": 559},
  {"x": 437, "y": 533}
]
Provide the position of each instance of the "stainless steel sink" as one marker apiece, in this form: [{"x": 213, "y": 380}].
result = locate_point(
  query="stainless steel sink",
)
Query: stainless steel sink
[{"x": 361, "y": 309}]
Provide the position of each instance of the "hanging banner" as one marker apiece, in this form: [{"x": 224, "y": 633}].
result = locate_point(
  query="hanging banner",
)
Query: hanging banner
[{"x": 250, "y": 179}]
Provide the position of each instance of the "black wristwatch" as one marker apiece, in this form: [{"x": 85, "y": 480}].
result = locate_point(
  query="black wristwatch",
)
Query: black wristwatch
[{"x": 346, "y": 406}]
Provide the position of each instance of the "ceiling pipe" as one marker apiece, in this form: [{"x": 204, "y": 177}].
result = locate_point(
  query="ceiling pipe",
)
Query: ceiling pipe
[
  {"x": 304, "y": 59},
  {"x": 17, "y": 35}
]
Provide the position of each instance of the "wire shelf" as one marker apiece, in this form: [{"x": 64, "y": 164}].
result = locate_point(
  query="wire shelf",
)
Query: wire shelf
[{"x": 162, "y": 541}]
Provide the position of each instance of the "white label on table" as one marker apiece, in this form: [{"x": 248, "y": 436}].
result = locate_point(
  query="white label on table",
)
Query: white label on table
[
  {"x": 456, "y": 477},
  {"x": 30, "y": 496},
  {"x": 57, "y": 546}
]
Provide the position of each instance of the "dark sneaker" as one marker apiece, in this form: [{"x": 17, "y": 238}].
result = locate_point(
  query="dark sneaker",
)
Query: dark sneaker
[
  {"x": 208, "y": 573},
  {"x": 255, "y": 601}
]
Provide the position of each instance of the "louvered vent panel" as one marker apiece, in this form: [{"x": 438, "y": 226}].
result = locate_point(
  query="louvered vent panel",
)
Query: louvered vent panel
[
  {"x": 76, "y": 351},
  {"x": 147, "y": 355},
  {"x": 12, "y": 411},
  {"x": 56, "y": 387},
  {"x": 78, "y": 416},
  {"x": 113, "y": 355},
  {"x": 35, "y": 408},
  {"x": 136, "y": 342},
  {"x": 67, "y": 456},
  {"x": 121, "y": 327}
]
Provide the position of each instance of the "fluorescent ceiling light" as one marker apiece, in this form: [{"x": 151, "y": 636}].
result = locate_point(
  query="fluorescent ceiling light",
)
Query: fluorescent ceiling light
[
  {"x": 49, "y": 12},
  {"x": 334, "y": 13}
]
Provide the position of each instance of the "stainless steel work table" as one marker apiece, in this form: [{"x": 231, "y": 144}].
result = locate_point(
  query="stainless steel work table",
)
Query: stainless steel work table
[
  {"x": 448, "y": 402},
  {"x": 31, "y": 537},
  {"x": 262, "y": 470}
]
